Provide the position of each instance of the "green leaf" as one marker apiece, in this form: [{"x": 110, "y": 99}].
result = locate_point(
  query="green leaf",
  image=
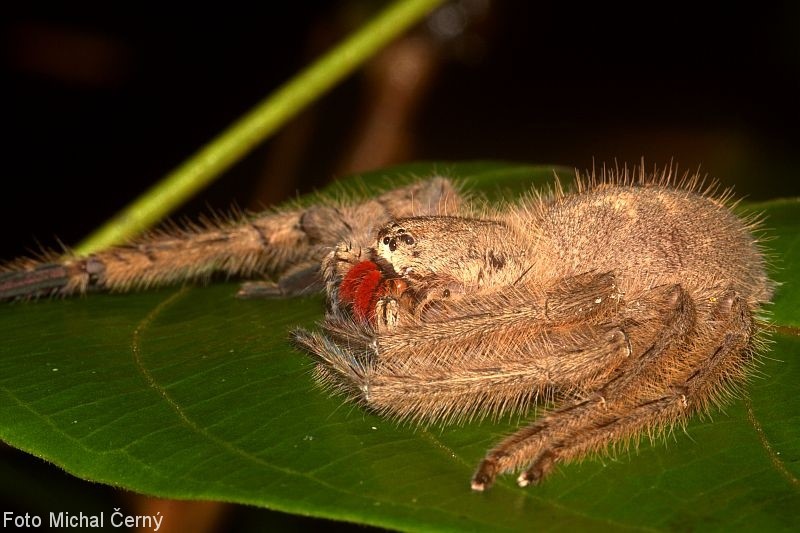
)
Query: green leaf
[{"x": 190, "y": 393}]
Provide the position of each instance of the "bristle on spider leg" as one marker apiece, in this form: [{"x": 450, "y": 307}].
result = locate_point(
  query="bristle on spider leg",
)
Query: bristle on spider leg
[{"x": 340, "y": 369}]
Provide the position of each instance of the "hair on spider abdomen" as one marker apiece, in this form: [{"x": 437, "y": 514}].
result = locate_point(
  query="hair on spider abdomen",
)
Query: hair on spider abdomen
[{"x": 630, "y": 300}]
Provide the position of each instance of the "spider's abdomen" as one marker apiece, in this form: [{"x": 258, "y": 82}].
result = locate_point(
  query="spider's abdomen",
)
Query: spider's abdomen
[{"x": 653, "y": 235}]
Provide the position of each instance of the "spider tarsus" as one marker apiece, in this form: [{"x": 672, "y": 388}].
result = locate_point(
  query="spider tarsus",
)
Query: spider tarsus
[
  {"x": 484, "y": 476},
  {"x": 477, "y": 486},
  {"x": 537, "y": 472}
]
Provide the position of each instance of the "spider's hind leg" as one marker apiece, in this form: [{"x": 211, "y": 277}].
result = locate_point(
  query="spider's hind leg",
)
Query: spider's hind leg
[{"x": 684, "y": 368}]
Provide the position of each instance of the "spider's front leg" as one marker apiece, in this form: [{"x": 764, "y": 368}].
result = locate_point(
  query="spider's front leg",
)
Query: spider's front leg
[
  {"x": 340, "y": 235},
  {"x": 286, "y": 245},
  {"x": 679, "y": 366},
  {"x": 478, "y": 355}
]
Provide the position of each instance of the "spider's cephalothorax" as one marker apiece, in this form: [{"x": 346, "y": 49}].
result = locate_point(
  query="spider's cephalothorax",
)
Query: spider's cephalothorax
[{"x": 631, "y": 301}]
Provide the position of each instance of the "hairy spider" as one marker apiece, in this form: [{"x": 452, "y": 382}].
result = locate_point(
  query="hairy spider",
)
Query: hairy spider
[{"x": 630, "y": 301}]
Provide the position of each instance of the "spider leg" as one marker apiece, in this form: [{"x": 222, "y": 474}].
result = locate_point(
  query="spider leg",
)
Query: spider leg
[
  {"x": 279, "y": 244},
  {"x": 473, "y": 363},
  {"x": 683, "y": 369},
  {"x": 297, "y": 280},
  {"x": 650, "y": 337}
]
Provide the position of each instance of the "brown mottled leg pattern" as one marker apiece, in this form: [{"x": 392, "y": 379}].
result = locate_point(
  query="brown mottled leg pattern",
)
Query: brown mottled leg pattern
[
  {"x": 630, "y": 366},
  {"x": 284, "y": 245},
  {"x": 685, "y": 368},
  {"x": 564, "y": 337}
]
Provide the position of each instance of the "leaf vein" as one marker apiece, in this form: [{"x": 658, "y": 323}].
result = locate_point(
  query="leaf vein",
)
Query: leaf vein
[{"x": 762, "y": 437}]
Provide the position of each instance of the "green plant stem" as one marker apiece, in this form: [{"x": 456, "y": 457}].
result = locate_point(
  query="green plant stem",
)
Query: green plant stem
[{"x": 264, "y": 120}]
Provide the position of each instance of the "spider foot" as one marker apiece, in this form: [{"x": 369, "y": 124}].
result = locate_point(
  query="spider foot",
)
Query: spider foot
[
  {"x": 485, "y": 475},
  {"x": 540, "y": 468}
]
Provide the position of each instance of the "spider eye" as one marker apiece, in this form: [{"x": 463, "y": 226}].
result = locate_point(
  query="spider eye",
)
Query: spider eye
[
  {"x": 446, "y": 293},
  {"x": 408, "y": 239},
  {"x": 386, "y": 240}
]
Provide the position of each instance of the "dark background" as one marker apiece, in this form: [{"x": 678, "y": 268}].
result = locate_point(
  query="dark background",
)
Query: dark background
[{"x": 98, "y": 105}]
